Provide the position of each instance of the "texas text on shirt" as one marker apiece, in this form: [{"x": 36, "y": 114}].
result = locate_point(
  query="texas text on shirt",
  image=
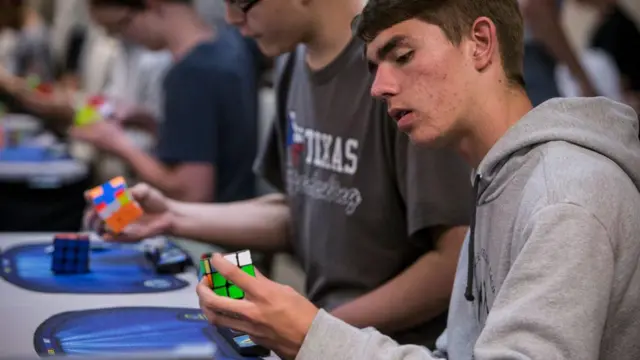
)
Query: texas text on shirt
[
  {"x": 364, "y": 201},
  {"x": 211, "y": 113}
]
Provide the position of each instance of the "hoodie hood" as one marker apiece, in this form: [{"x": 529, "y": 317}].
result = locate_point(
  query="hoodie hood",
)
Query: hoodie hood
[{"x": 598, "y": 124}]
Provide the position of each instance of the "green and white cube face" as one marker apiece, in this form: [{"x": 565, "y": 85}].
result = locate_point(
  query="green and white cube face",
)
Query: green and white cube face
[{"x": 221, "y": 286}]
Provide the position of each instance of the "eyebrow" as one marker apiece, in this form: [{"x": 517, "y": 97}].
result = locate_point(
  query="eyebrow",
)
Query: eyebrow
[
  {"x": 382, "y": 53},
  {"x": 389, "y": 46}
]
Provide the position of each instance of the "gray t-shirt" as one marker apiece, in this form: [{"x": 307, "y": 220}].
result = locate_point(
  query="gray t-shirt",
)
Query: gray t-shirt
[{"x": 363, "y": 199}]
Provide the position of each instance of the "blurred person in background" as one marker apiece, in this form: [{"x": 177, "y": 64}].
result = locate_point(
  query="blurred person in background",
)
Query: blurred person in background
[
  {"x": 24, "y": 53},
  {"x": 208, "y": 138},
  {"x": 617, "y": 33},
  {"x": 546, "y": 45},
  {"x": 24, "y": 42},
  {"x": 91, "y": 63}
]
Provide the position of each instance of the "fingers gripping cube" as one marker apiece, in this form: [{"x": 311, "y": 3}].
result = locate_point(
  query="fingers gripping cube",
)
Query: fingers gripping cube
[
  {"x": 70, "y": 254},
  {"x": 219, "y": 284},
  {"x": 115, "y": 205}
]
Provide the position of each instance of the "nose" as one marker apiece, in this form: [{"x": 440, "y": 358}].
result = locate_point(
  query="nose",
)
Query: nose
[{"x": 385, "y": 84}]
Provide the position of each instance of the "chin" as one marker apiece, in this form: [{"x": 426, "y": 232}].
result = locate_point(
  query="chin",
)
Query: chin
[
  {"x": 427, "y": 139},
  {"x": 275, "y": 49},
  {"x": 270, "y": 50}
]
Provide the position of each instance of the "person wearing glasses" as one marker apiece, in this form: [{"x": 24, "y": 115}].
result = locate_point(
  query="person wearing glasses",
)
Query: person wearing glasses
[
  {"x": 208, "y": 138},
  {"x": 376, "y": 223}
]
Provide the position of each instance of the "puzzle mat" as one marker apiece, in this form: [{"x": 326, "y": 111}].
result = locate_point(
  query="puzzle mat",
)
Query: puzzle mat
[
  {"x": 115, "y": 269},
  {"x": 132, "y": 331}
]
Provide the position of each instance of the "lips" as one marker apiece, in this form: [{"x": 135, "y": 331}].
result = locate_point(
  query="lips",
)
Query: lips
[
  {"x": 402, "y": 117},
  {"x": 398, "y": 113}
]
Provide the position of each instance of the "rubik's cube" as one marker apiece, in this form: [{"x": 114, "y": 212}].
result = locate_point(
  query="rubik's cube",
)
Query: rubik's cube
[
  {"x": 115, "y": 205},
  {"x": 34, "y": 82},
  {"x": 70, "y": 254},
  {"x": 96, "y": 109},
  {"x": 220, "y": 285}
]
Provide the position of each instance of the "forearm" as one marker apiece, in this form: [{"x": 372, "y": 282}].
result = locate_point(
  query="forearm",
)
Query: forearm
[
  {"x": 142, "y": 119},
  {"x": 148, "y": 169},
  {"x": 261, "y": 223},
  {"x": 415, "y": 296},
  {"x": 53, "y": 109}
]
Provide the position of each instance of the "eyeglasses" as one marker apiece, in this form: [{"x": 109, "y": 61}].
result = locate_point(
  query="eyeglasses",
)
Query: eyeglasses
[{"x": 244, "y": 5}]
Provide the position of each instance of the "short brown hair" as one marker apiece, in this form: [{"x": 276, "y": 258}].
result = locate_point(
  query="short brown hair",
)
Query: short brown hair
[{"x": 455, "y": 18}]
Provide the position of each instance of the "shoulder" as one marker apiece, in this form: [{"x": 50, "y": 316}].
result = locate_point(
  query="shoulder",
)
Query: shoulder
[
  {"x": 575, "y": 175},
  {"x": 228, "y": 55},
  {"x": 201, "y": 68}
]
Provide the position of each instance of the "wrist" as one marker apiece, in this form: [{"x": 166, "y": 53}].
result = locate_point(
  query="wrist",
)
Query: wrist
[
  {"x": 125, "y": 150},
  {"x": 173, "y": 219}
]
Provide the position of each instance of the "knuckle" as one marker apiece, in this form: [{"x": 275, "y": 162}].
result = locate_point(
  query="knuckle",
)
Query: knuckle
[
  {"x": 209, "y": 302},
  {"x": 256, "y": 317}
]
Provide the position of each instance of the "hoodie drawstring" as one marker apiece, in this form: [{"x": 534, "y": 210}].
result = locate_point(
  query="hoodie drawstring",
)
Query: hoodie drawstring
[{"x": 468, "y": 293}]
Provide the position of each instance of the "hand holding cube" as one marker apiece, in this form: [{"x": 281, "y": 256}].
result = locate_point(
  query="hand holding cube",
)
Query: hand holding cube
[
  {"x": 273, "y": 315},
  {"x": 219, "y": 284},
  {"x": 115, "y": 205}
]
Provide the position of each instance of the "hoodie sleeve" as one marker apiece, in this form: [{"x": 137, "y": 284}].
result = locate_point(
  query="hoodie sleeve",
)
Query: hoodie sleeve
[
  {"x": 331, "y": 338},
  {"x": 553, "y": 303}
]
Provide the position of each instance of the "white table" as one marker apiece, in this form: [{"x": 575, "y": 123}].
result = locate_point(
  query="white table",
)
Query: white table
[{"x": 22, "y": 311}]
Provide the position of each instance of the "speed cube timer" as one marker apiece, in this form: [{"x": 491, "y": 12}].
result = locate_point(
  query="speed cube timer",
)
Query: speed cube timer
[
  {"x": 219, "y": 284},
  {"x": 115, "y": 205},
  {"x": 70, "y": 254}
]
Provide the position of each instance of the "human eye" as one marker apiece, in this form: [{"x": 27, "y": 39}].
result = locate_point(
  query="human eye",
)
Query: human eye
[
  {"x": 403, "y": 57},
  {"x": 373, "y": 67}
]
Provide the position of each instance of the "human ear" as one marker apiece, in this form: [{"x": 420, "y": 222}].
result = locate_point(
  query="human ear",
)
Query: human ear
[{"x": 485, "y": 42}]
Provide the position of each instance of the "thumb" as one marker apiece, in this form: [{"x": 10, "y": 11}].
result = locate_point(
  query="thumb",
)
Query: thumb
[{"x": 141, "y": 193}]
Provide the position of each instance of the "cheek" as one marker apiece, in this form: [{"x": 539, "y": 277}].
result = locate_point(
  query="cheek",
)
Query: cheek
[
  {"x": 439, "y": 87},
  {"x": 280, "y": 25}
]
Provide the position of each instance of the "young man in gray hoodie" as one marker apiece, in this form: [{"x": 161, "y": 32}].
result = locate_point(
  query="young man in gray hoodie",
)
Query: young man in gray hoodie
[{"x": 550, "y": 267}]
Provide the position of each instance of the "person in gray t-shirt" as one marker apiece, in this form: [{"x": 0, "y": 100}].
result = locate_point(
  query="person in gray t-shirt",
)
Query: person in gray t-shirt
[{"x": 375, "y": 221}]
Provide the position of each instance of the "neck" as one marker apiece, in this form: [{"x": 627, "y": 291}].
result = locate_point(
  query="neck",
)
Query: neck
[
  {"x": 491, "y": 118},
  {"x": 187, "y": 30},
  {"x": 331, "y": 31}
]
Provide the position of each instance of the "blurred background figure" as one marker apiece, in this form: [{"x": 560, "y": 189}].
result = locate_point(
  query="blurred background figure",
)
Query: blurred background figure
[
  {"x": 24, "y": 42},
  {"x": 617, "y": 33},
  {"x": 546, "y": 45},
  {"x": 207, "y": 140}
]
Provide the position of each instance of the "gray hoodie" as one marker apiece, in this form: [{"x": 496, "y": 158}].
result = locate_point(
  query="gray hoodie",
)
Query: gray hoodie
[{"x": 555, "y": 244}]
